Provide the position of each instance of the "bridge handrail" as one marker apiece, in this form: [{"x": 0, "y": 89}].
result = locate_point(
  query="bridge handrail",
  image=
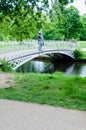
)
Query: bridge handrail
[{"x": 33, "y": 45}]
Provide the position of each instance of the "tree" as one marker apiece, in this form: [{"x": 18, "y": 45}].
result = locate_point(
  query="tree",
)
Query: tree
[
  {"x": 57, "y": 18},
  {"x": 25, "y": 16},
  {"x": 72, "y": 24},
  {"x": 7, "y": 6},
  {"x": 83, "y": 31}
]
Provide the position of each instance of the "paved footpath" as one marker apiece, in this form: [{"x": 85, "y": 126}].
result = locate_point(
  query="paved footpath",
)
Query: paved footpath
[{"x": 16, "y": 115}]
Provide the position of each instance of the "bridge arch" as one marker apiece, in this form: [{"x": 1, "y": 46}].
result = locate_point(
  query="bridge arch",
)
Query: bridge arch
[
  {"x": 66, "y": 54},
  {"x": 17, "y": 54}
]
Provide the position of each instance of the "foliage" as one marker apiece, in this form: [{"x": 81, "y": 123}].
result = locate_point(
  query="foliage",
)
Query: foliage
[
  {"x": 52, "y": 89},
  {"x": 5, "y": 66},
  {"x": 83, "y": 31},
  {"x": 78, "y": 54},
  {"x": 72, "y": 24},
  {"x": 64, "y": 23},
  {"x": 22, "y": 19},
  {"x": 65, "y": 2},
  {"x": 8, "y": 6}
]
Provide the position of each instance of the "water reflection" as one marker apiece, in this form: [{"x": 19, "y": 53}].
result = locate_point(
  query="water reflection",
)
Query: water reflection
[
  {"x": 48, "y": 67},
  {"x": 38, "y": 66},
  {"x": 83, "y": 70}
]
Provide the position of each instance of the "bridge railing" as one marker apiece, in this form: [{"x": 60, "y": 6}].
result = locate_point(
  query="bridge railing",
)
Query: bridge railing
[
  {"x": 12, "y": 47},
  {"x": 60, "y": 45},
  {"x": 32, "y": 46}
]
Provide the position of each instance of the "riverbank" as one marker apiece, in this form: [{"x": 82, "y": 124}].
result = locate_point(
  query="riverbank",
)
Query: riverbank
[{"x": 52, "y": 89}]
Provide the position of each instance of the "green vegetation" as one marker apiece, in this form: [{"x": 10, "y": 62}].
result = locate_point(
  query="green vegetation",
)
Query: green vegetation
[
  {"x": 52, "y": 89},
  {"x": 83, "y": 30},
  {"x": 81, "y": 44},
  {"x": 79, "y": 55},
  {"x": 5, "y": 66},
  {"x": 22, "y": 19}
]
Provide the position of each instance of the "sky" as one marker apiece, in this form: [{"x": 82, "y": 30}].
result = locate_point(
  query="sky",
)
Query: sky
[{"x": 80, "y": 5}]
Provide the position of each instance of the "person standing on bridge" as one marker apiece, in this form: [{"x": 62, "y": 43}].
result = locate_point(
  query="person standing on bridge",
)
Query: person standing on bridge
[{"x": 40, "y": 41}]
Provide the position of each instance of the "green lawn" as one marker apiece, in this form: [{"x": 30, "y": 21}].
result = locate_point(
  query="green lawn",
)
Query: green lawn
[
  {"x": 52, "y": 89},
  {"x": 81, "y": 44}
]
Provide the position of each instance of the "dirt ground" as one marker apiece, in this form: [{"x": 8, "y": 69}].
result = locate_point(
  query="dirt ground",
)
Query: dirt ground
[{"x": 6, "y": 80}]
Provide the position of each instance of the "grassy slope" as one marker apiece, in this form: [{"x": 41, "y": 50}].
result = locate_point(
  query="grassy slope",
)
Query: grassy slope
[{"x": 53, "y": 89}]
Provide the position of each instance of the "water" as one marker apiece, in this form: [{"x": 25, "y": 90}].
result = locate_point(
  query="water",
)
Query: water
[{"x": 68, "y": 68}]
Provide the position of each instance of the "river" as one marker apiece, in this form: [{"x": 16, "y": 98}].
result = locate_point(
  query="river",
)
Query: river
[{"x": 68, "y": 68}]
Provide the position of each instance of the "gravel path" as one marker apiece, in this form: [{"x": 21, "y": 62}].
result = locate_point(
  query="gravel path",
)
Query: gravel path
[{"x": 16, "y": 115}]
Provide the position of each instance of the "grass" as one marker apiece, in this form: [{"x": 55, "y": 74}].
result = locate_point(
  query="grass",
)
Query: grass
[
  {"x": 83, "y": 56},
  {"x": 81, "y": 44},
  {"x": 79, "y": 55},
  {"x": 52, "y": 89}
]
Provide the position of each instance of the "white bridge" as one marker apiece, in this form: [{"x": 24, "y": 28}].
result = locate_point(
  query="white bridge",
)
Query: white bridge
[{"x": 17, "y": 54}]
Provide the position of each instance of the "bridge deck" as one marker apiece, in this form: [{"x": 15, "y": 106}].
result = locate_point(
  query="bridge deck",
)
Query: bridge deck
[{"x": 18, "y": 54}]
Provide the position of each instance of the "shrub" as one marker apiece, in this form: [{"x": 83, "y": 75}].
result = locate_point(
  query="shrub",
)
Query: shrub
[
  {"x": 78, "y": 54},
  {"x": 5, "y": 66}
]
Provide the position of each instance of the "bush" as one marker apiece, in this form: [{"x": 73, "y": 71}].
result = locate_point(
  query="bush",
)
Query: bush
[
  {"x": 78, "y": 54},
  {"x": 5, "y": 66}
]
